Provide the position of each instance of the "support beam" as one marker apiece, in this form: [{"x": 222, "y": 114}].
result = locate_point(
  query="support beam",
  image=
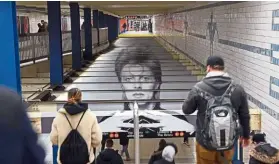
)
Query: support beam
[
  {"x": 96, "y": 24},
  {"x": 88, "y": 34},
  {"x": 76, "y": 40},
  {"x": 110, "y": 27},
  {"x": 118, "y": 26},
  {"x": 101, "y": 19},
  {"x": 9, "y": 63},
  {"x": 106, "y": 20},
  {"x": 55, "y": 43}
]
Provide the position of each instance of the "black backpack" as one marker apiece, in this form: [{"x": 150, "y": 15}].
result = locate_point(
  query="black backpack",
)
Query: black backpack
[{"x": 74, "y": 149}]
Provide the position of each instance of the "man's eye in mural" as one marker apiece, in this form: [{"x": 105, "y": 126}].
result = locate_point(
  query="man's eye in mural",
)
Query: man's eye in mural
[
  {"x": 127, "y": 79},
  {"x": 146, "y": 78}
]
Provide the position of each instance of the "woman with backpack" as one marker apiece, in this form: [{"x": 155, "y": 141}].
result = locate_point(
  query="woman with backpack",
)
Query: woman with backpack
[{"x": 76, "y": 131}]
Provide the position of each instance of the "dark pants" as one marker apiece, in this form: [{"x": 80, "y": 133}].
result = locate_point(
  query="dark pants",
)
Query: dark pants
[{"x": 186, "y": 138}]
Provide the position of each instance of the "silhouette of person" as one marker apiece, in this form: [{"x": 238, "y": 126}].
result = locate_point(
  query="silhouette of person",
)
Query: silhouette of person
[{"x": 211, "y": 31}]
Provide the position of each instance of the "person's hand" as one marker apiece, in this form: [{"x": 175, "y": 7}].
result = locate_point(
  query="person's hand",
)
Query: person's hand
[{"x": 244, "y": 141}]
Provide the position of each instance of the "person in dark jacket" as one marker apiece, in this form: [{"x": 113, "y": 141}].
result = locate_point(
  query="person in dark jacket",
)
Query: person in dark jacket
[
  {"x": 18, "y": 140},
  {"x": 124, "y": 142},
  {"x": 168, "y": 154},
  {"x": 109, "y": 155},
  {"x": 262, "y": 152},
  {"x": 216, "y": 83},
  {"x": 157, "y": 155}
]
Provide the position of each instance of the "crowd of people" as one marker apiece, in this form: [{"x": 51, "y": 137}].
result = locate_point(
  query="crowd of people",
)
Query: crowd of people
[{"x": 222, "y": 106}]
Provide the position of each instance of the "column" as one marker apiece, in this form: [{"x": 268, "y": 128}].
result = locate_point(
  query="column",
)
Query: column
[
  {"x": 76, "y": 40},
  {"x": 55, "y": 43},
  {"x": 101, "y": 19},
  {"x": 110, "y": 27},
  {"x": 116, "y": 29},
  {"x": 88, "y": 34},
  {"x": 118, "y": 26},
  {"x": 9, "y": 63},
  {"x": 96, "y": 23},
  {"x": 106, "y": 20}
]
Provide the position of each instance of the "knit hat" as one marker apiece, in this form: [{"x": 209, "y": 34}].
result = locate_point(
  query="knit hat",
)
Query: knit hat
[
  {"x": 168, "y": 153},
  {"x": 215, "y": 61}
]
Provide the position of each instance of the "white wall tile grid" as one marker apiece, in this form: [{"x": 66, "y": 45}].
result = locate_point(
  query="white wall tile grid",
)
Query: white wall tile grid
[{"x": 246, "y": 35}]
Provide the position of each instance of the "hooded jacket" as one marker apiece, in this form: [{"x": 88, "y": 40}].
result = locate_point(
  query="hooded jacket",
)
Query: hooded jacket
[
  {"x": 216, "y": 83},
  {"x": 167, "y": 155},
  {"x": 263, "y": 153},
  {"x": 157, "y": 155},
  {"x": 18, "y": 140},
  {"x": 109, "y": 156},
  {"x": 88, "y": 127}
]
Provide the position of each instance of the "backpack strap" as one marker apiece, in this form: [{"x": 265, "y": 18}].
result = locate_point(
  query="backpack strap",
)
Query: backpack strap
[
  {"x": 80, "y": 119},
  {"x": 68, "y": 120},
  {"x": 230, "y": 89}
]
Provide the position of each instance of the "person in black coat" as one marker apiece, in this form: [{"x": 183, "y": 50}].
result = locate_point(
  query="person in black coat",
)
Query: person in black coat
[
  {"x": 157, "y": 155},
  {"x": 109, "y": 155},
  {"x": 124, "y": 142},
  {"x": 262, "y": 152},
  {"x": 18, "y": 140}
]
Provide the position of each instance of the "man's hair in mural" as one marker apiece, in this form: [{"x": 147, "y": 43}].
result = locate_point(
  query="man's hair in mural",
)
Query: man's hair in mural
[{"x": 142, "y": 57}]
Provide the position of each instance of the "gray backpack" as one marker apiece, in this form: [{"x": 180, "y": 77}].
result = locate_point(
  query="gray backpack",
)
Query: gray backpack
[{"x": 221, "y": 125}]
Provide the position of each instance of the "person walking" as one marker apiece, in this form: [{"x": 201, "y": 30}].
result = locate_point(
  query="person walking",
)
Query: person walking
[
  {"x": 109, "y": 155},
  {"x": 124, "y": 142},
  {"x": 157, "y": 155},
  {"x": 222, "y": 111},
  {"x": 18, "y": 141},
  {"x": 76, "y": 131}
]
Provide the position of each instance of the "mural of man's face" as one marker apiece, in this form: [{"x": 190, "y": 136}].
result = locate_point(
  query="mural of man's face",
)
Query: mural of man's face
[{"x": 141, "y": 78}]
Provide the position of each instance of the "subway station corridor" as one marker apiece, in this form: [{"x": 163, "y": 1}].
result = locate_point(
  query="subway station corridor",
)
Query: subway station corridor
[{"x": 139, "y": 56}]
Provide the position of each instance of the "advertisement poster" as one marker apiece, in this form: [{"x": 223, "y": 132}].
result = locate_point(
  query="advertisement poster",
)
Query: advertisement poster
[
  {"x": 123, "y": 25},
  {"x": 23, "y": 25}
]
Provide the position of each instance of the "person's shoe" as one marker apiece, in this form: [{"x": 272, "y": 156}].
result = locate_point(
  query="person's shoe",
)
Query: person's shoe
[{"x": 128, "y": 159}]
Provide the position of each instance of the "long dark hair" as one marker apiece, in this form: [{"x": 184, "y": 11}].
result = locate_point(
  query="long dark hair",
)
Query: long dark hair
[{"x": 162, "y": 145}]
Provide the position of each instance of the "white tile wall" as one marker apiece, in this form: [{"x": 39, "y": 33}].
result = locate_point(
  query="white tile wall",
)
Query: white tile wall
[
  {"x": 35, "y": 18},
  {"x": 249, "y": 23}
]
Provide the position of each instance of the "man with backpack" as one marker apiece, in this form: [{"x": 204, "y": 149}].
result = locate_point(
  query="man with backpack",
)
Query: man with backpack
[
  {"x": 109, "y": 155},
  {"x": 222, "y": 114}
]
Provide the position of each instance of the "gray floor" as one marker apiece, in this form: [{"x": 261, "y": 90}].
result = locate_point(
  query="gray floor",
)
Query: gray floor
[{"x": 44, "y": 140}]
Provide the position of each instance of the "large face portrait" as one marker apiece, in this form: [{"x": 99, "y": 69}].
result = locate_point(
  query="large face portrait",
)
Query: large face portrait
[
  {"x": 131, "y": 73},
  {"x": 138, "y": 78}
]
